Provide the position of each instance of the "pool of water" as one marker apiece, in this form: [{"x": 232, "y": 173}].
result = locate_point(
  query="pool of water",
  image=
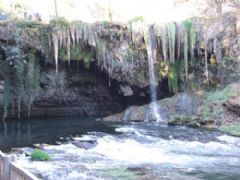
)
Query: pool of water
[
  {"x": 26, "y": 132},
  {"x": 131, "y": 151}
]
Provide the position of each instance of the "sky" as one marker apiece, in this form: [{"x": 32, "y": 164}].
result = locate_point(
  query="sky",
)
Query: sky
[{"x": 122, "y": 10}]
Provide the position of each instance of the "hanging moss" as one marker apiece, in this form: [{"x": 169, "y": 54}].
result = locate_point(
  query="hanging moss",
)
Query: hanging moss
[
  {"x": 32, "y": 79},
  {"x": 21, "y": 78},
  {"x": 165, "y": 43},
  {"x": 6, "y": 97},
  {"x": 46, "y": 42},
  {"x": 173, "y": 74},
  {"x": 100, "y": 50},
  {"x": 186, "y": 55},
  {"x": 187, "y": 24},
  {"x": 171, "y": 41},
  {"x": 78, "y": 54},
  {"x": 171, "y": 71},
  {"x": 193, "y": 39},
  {"x": 60, "y": 36},
  {"x": 131, "y": 24}
]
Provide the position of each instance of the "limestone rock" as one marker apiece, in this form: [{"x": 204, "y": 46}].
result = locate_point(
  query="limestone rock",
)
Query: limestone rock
[
  {"x": 233, "y": 104},
  {"x": 126, "y": 90},
  {"x": 113, "y": 118},
  {"x": 185, "y": 104}
]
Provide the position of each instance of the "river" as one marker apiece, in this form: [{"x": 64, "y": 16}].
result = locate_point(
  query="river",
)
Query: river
[{"x": 144, "y": 150}]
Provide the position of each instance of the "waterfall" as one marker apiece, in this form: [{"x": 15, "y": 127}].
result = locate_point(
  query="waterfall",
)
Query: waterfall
[{"x": 151, "y": 51}]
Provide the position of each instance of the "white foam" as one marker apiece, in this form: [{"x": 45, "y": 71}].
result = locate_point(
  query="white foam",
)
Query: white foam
[
  {"x": 230, "y": 139},
  {"x": 112, "y": 151}
]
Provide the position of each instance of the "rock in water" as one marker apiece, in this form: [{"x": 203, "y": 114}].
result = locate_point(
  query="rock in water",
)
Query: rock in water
[{"x": 85, "y": 144}]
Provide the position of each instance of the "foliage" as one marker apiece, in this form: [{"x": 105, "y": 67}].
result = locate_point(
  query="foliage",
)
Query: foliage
[
  {"x": 231, "y": 129},
  {"x": 173, "y": 78},
  {"x": 32, "y": 78},
  {"x": 179, "y": 120},
  {"x": 137, "y": 19},
  {"x": 189, "y": 44},
  {"x": 81, "y": 77},
  {"x": 187, "y": 25},
  {"x": 45, "y": 32},
  {"x": 40, "y": 155},
  {"x": 212, "y": 105},
  {"x": 21, "y": 74},
  {"x": 172, "y": 72},
  {"x": 228, "y": 71},
  {"x": 58, "y": 22},
  {"x": 15, "y": 58},
  {"x": 134, "y": 21}
]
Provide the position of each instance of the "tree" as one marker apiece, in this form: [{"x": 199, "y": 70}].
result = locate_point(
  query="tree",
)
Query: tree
[{"x": 56, "y": 9}]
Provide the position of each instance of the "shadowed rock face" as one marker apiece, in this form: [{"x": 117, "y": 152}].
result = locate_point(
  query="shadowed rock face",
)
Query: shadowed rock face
[{"x": 83, "y": 94}]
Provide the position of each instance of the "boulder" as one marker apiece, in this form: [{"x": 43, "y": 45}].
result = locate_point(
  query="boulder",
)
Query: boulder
[
  {"x": 114, "y": 118},
  {"x": 185, "y": 104},
  {"x": 85, "y": 144},
  {"x": 233, "y": 104}
]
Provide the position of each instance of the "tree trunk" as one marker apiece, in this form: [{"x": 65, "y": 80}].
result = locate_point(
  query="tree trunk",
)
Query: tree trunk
[{"x": 55, "y": 5}]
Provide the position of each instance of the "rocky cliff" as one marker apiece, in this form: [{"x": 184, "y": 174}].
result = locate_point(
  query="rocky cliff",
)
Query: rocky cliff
[{"x": 83, "y": 69}]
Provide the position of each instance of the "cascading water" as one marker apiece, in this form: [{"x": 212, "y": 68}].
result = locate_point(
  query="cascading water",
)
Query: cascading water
[{"x": 151, "y": 51}]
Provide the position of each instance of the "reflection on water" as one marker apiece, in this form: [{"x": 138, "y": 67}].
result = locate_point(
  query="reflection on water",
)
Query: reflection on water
[{"x": 26, "y": 132}]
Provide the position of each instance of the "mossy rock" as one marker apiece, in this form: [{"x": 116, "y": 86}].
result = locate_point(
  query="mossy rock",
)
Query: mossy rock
[
  {"x": 213, "y": 104},
  {"x": 194, "y": 124},
  {"x": 230, "y": 129},
  {"x": 179, "y": 120},
  {"x": 40, "y": 155}
]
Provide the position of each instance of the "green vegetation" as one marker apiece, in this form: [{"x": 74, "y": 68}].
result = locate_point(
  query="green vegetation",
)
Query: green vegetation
[
  {"x": 212, "y": 105},
  {"x": 189, "y": 44},
  {"x": 137, "y": 19},
  {"x": 21, "y": 77},
  {"x": 231, "y": 129},
  {"x": 171, "y": 71},
  {"x": 119, "y": 173},
  {"x": 20, "y": 68},
  {"x": 171, "y": 41},
  {"x": 20, "y": 65},
  {"x": 40, "y": 155},
  {"x": 6, "y": 97},
  {"x": 77, "y": 53},
  {"x": 58, "y": 23},
  {"x": 173, "y": 78}
]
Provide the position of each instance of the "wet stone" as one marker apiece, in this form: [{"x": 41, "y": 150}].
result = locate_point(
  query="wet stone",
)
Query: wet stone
[{"x": 85, "y": 144}]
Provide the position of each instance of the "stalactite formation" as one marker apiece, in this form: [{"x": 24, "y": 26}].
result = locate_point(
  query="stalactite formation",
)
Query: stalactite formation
[{"x": 113, "y": 48}]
